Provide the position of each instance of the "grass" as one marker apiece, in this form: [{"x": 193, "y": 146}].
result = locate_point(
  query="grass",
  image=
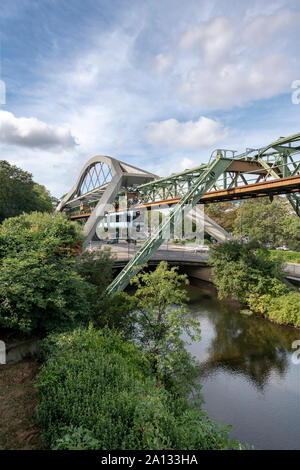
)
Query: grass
[{"x": 286, "y": 256}]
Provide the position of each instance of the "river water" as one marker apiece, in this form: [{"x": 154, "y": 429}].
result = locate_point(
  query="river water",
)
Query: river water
[{"x": 247, "y": 374}]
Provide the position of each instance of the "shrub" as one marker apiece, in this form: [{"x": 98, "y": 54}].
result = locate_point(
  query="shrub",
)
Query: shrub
[
  {"x": 286, "y": 256},
  {"x": 97, "y": 391},
  {"x": 38, "y": 294},
  {"x": 248, "y": 274},
  {"x": 284, "y": 309},
  {"x": 40, "y": 232},
  {"x": 241, "y": 269},
  {"x": 39, "y": 289},
  {"x": 162, "y": 315}
]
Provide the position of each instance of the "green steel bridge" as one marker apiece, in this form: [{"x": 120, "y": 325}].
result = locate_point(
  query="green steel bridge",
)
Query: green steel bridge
[{"x": 268, "y": 171}]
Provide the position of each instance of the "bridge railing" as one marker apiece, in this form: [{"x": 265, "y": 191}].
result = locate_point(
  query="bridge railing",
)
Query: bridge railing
[{"x": 168, "y": 251}]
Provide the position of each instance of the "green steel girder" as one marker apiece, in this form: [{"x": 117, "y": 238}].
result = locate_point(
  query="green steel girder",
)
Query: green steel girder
[
  {"x": 277, "y": 156},
  {"x": 200, "y": 186},
  {"x": 295, "y": 202},
  {"x": 294, "y": 199},
  {"x": 172, "y": 186}
]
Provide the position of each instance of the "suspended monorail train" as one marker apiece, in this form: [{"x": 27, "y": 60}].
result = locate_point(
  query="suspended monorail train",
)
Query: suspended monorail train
[{"x": 122, "y": 224}]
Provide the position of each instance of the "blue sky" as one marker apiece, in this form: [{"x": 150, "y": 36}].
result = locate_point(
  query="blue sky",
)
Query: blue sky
[{"x": 157, "y": 83}]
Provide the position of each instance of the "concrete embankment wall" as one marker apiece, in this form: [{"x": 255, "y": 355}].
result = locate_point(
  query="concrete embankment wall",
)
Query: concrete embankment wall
[
  {"x": 199, "y": 272},
  {"x": 204, "y": 272}
]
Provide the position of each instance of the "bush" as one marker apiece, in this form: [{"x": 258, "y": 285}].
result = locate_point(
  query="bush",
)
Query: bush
[
  {"x": 286, "y": 256},
  {"x": 243, "y": 269},
  {"x": 162, "y": 316},
  {"x": 284, "y": 309},
  {"x": 97, "y": 391},
  {"x": 246, "y": 272},
  {"x": 39, "y": 289},
  {"x": 40, "y": 295},
  {"x": 40, "y": 232}
]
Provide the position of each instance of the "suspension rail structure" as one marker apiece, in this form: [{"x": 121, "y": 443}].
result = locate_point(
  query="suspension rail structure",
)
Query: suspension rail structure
[{"x": 267, "y": 171}]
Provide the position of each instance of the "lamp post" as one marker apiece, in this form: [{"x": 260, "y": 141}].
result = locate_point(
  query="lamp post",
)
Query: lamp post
[{"x": 241, "y": 203}]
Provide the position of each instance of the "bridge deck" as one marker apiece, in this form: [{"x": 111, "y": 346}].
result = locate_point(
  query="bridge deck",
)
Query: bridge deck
[
  {"x": 189, "y": 256},
  {"x": 288, "y": 185}
]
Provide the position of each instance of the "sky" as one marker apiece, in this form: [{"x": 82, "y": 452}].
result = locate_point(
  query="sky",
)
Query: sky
[{"x": 159, "y": 84}]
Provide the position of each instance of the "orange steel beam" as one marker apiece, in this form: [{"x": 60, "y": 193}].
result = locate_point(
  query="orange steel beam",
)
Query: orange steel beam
[
  {"x": 288, "y": 185},
  {"x": 80, "y": 215}
]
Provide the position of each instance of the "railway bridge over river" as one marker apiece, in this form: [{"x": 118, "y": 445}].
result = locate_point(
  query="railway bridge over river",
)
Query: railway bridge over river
[{"x": 267, "y": 171}]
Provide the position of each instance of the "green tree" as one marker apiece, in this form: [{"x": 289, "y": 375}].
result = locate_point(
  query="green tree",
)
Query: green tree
[
  {"x": 269, "y": 222},
  {"x": 243, "y": 268},
  {"x": 117, "y": 312},
  {"x": 19, "y": 193},
  {"x": 96, "y": 268},
  {"x": 224, "y": 213},
  {"x": 39, "y": 288},
  {"x": 291, "y": 230},
  {"x": 162, "y": 316}
]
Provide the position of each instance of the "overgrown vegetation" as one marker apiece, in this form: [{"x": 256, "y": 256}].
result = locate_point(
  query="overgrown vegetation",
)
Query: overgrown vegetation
[
  {"x": 39, "y": 289},
  {"x": 285, "y": 256},
  {"x": 247, "y": 273},
  {"x": 98, "y": 392},
  {"x": 273, "y": 223},
  {"x": 162, "y": 315},
  {"x": 126, "y": 381}
]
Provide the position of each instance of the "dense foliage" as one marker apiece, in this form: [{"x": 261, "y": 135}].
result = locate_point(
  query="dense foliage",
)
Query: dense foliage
[
  {"x": 39, "y": 288},
  {"x": 117, "y": 312},
  {"x": 284, "y": 308},
  {"x": 98, "y": 392},
  {"x": 270, "y": 222},
  {"x": 274, "y": 223},
  {"x": 19, "y": 193},
  {"x": 224, "y": 213},
  {"x": 162, "y": 316},
  {"x": 247, "y": 273},
  {"x": 286, "y": 256}
]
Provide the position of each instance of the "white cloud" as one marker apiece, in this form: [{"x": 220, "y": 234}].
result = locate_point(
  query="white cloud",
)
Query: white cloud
[
  {"x": 30, "y": 132},
  {"x": 163, "y": 62},
  {"x": 263, "y": 28},
  {"x": 213, "y": 38},
  {"x": 109, "y": 82},
  {"x": 233, "y": 84},
  {"x": 187, "y": 163},
  {"x": 185, "y": 135},
  {"x": 221, "y": 64}
]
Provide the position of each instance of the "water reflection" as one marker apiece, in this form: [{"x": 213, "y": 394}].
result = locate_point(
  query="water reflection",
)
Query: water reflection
[
  {"x": 247, "y": 376},
  {"x": 252, "y": 346}
]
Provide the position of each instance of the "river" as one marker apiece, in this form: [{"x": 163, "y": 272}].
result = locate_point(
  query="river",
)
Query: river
[{"x": 247, "y": 374}]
